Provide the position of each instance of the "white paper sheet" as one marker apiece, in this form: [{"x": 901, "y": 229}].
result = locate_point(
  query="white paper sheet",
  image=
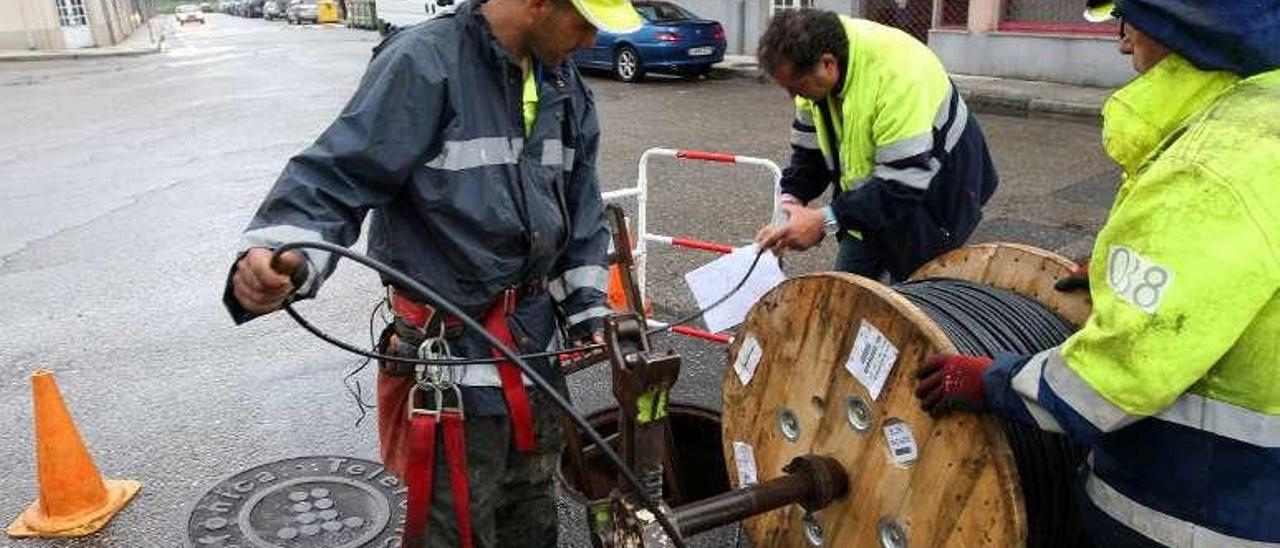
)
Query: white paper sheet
[{"x": 715, "y": 279}]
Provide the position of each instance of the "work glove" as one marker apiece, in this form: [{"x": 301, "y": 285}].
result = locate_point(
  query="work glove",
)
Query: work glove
[
  {"x": 1077, "y": 279},
  {"x": 576, "y": 360},
  {"x": 948, "y": 382}
]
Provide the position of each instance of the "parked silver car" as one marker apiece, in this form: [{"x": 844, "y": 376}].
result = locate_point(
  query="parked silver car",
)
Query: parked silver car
[
  {"x": 300, "y": 11},
  {"x": 274, "y": 9},
  {"x": 188, "y": 13}
]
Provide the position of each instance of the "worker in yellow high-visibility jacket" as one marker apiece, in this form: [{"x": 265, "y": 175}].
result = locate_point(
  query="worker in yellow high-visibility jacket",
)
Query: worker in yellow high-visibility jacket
[{"x": 877, "y": 119}]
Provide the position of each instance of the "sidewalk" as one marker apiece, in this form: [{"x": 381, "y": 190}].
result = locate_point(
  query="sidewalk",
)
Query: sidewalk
[
  {"x": 139, "y": 43},
  {"x": 990, "y": 94}
]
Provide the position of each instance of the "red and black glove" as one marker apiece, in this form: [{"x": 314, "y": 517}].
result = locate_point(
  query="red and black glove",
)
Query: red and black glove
[
  {"x": 587, "y": 357},
  {"x": 949, "y": 382},
  {"x": 1078, "y": 278}
]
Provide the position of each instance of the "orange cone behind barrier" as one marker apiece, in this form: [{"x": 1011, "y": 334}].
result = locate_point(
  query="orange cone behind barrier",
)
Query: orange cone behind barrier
[
  {"x": 617, "y": 294},
  {"x": 75, "y": 500}
]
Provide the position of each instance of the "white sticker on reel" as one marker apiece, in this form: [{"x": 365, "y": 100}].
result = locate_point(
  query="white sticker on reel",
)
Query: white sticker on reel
[
  {"x": 748, "y": 358},
  {"x": 744, "y": 459},
  {"x": 901, "y": 441},
  {"x": 871, "y": 359}
]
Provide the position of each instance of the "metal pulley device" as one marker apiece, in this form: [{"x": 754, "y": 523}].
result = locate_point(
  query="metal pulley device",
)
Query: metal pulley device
[{"x": 642, "y": 380}]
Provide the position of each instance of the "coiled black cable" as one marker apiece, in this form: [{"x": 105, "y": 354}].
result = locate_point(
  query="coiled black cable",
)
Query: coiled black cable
[
  {"x": 986, "y": 321},
  {"x": 541, "y": 383}
]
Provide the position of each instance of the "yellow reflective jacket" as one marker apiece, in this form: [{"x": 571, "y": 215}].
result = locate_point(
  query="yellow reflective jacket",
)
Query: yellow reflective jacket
[
  {"x": 911, "y": 164},
  {"x": 1186, "y": 271},
  {"x": 894, "y": 89},
  {"x": 1174, "y": 380}
]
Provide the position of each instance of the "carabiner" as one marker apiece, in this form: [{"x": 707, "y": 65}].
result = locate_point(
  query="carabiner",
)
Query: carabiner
[
  {"x": 435, "y": 348},
  {"x": 433, "y": 408},
  {"x": 456, "y": 408}
]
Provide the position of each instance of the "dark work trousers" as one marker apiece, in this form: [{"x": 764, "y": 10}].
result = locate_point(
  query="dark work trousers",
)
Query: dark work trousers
[{"x": 866, "y": 259}]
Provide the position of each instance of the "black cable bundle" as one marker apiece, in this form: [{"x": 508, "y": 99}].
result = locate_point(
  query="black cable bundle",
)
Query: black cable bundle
[{"x": 986, "y": 321}]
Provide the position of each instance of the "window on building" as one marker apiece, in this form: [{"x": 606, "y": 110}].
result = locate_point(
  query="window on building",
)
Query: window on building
[
  {"x": 1052, "y": 16},
  {"x": 71, "y": 13},
  {"x": 955, "y": 14},
  {"x": 782, "y": 5},
  {"x": 915, "y": 17}
]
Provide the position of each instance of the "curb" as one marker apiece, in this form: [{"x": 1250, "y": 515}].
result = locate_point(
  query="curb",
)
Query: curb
[
  {"x": 1024, "y": 105},
  {"x": 739, "y": 71},
  {"x": 88, "y": 53},
  {"x": 1049, "y": 107},
  {"x": 1009, "y": 103}
]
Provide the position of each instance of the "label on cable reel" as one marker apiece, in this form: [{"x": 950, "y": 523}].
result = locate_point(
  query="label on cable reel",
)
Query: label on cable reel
[
  {"x": 902, "y": 443},
  {"x": 871, "y": 359},
  {"x": 748, "y": 358},
  {"x": 744, "y": 459}
]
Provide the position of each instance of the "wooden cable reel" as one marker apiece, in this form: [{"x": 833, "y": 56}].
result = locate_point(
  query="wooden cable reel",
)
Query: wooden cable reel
[{"x": 913, "y": 481}]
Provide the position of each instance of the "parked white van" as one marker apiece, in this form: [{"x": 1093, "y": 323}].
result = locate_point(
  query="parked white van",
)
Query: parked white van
[{"x": 395, "y": 14}]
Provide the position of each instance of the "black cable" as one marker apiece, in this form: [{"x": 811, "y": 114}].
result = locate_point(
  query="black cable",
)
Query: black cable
[
  {"x": 440, "y": 302},
  {"x": 549, "y": 354},
  {"x": 720, "y": 301},
  {"x": 986, "y": 321},
  {"x": 425, "y": 361}
]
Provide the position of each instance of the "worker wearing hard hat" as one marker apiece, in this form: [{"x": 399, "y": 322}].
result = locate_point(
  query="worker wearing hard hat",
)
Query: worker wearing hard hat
[
  {"x": 1174, "y": 380},
  {"x": 879, "y": 121},
  {"x": 473, "y": 140}
]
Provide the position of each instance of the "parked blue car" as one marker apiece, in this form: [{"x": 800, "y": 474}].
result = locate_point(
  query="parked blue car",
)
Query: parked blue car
[{"x": 672, "y": 40}]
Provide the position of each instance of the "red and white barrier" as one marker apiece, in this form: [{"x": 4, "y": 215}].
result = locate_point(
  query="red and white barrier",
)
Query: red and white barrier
[{"x": 641, "y": 194}]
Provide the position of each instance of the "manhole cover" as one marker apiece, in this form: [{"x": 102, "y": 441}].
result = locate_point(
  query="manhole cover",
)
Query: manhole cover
[{"x": 305, "y": 502}]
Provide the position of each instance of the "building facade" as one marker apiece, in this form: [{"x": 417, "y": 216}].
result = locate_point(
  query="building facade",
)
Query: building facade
[
  {"x": 66, "y": 24},
  {"x": 1027, "y": 39}
]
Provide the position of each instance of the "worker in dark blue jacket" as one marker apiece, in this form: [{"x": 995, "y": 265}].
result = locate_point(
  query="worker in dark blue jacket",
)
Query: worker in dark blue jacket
[{"x": 472, "y": 140}]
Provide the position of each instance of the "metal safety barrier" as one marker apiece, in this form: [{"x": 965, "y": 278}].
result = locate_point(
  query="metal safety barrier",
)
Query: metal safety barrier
[{"x": 640, "y": 193}]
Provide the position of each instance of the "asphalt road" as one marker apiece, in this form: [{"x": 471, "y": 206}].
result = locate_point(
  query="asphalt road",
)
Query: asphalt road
[{"x": 126, "y": 182}]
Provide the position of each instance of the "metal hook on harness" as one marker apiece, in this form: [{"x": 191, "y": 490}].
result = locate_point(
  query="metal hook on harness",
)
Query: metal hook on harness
[
  {"x": 436, "y": 348},
  {"x": 437, "y": 381},
  {"x": 428, "y": 406}
]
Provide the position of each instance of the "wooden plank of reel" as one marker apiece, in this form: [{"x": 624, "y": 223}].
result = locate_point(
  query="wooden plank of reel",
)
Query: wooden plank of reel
[{"x": 961, "y": 487}]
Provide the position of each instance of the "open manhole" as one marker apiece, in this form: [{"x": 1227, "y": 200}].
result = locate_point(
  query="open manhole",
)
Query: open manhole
[
  {"x": 700, "y": 470},
  {"x": 304, "y": 502}
]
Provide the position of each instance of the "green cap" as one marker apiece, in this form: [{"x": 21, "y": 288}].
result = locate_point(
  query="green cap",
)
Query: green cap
[
  {"x": 1099, "y": 11},
  {"x": 615, "y": 16}
]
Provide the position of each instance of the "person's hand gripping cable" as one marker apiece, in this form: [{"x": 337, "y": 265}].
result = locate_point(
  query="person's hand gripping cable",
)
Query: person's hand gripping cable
[{"x": 262, "y": 284}]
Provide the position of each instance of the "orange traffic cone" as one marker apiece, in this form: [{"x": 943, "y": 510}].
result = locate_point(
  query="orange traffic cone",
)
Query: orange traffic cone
[
  {"x": 617, "y": 294},
  {"x": 75, "y": 500}
]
